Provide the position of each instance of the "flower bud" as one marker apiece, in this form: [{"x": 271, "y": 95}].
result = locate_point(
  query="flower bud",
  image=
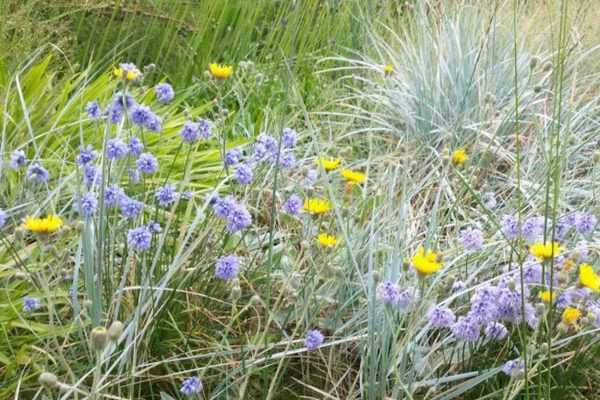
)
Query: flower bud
[
  {"x": 48, "y": 380},
  {"x": 535, "y": 60},
  {"x": 544, "y": 348},
  {"x": 236, "y": 291},
  {"x": 548, "y": 66},
  {"x": 537, "y": 88},
  {"x": 115, "y": 330},
  {"x": 540, "y": 308},
  {"x": 376, "y": 277},
  {"x": 99, "y": 338},
  {"x": 255, "y": 299}
]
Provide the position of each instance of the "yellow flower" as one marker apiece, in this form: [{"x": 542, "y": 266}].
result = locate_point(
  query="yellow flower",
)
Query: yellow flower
[
  {"x": 570, "y": 315},
  {"x": 328, "y": 164},
  {"x": 220, "y": 71},
  {"x": 388, "y": 69},
  {"x": 426, "y": 262},
  {"x": 546, "y": 296},
  {"x": 545, "y": 251},
  {"x": 50, "y": 224},
  {"x": 589, "y": 278},
  {"x": 327, "y": 240},
  {"x": 353, "y": 176},
  {"x": 316, "y": 206},
  {"x": 127, "y": 74},
  {"x": 459, "y": 157}
]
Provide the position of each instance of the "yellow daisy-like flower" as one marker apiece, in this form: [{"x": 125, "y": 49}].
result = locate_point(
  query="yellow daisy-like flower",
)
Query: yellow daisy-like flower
[
  {"x": 546, "y": 296},
  {"x": 589, "y": 278},
  {"x": 328, "y": 164},
  {"x": 459, "y": 157},
  {"x": 355, "y": 177},
  {"x": 220, "y": 71},
  {"x": 327, "y": 240},
  {"x": 545, "y": 251},
  {"x": 570, "y": 315},
  {"x": 388, "y": 69},
  {"x": 426, "y": 263},
  {"x": 316, "y": 206},
  {"x": 50, "y": 224},
  {"x": 127, "y": 74}
]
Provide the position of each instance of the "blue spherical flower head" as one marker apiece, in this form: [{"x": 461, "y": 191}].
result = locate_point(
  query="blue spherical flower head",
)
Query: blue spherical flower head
[
  {"x": 313, "y": 339},
  {"x": 514, "y": 368},
  {"x": 289, "y": 138},
  {"x": 164, "y": 92},
  {"x": 116, "y": 149},
  {"x": 510, "y": 227},
  {"x": 238, "y": 219},
  {"x": 139, "y": 239},
  {"x": 88, "y": 204},
  {"x": 3, "y": 218},
  {"x": 17, "y": 159},
  {"x": 154, "y": 227},
  {"x": 37, "y": 173},
  {"x": 93, "y": 110},
  {"x": 388, "y": 293},
  {"x": 441, "y": 317},
  {"x": 227, "y": 267},
  {"x": 232, "y": 157},
  {"x": 495, "y": 331},
  {"x": 223, "y": 206},
  {"x": 130, "y": 208},
  {"x": 140, "y": 114},
  {"x": 136, "y": 147},
  {"x": 205, "y": 127},
  {"x": 585, "y": 223},
  {"x": 269, "y": 142},
  {"x": 191, "y": 386},
  {"x": 190, "y": 132},
  {"x": 112, "y": 195},
  {"x": 293, "y": 205},
  {"x": 471, "y": 239},
  {"x": 466, "y": 329},
  {"x": 114, "y": 113},
  {"x": 287, "y": 160},
  {"x": 123, "y": 100},
  {"x": 243, "y": 174},
  {"x": 86, "y": 155},
  {"x": 147, "y": 163},
  {"x": 533, "y": 229},
  {"x": 153, "y": 123},
  {"x": 166, "y": 195},
  {"x": 30, "y": 304}
]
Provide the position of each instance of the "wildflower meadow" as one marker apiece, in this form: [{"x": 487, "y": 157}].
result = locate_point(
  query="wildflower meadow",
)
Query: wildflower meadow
[{"x": 317, "y": 199}]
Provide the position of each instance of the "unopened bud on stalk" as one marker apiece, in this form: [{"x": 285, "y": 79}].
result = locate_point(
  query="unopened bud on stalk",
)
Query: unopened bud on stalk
[
  {"x": 535, "y": 60},
  {"x": 115, "y": 330},
  {"x": 544, "y": 348},
  {"x": 537, "y": 88},
  {"x": 48, "y": 380},
  {"x": 99, "y": 338},
  {"x": 376, "y": 277},
  {"x": 540, "y": 308},
  {"x": 255, "y": 300},
  {"x": 236, "y": 292},
  {"x": 548, "y": 66}
]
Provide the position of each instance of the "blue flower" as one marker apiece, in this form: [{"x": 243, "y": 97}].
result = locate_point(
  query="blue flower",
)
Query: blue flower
[
  {"x": 3, "y": 218},
  {"x": 289, "y": 138},
  {"x": 30, "y": 304},
  {"x": 510, "y": 227},
  {"x": 293, "y": 205},
  {"x": 114, "y": 113},
  {"x": 88, "y": 204},
  {"x": 388, "y": 292},
  {"x": 17, "y": 159},
  {"x": 154, "y": 227},
  {"x": 116, "y": 149},
  {"x": 406, "y": 298},
  {"x": 466, "y": 329},
  {"x": 495, "y": 331},
  {"x": 191, "y": 386},
  {"x": 139, "y": 239},
  {"x": 238, "y": 219},
  {"x": 92, "y": 175},
  {"x": 313, "y": 339},
  {"x": 205, "y": 127},
  {"x": 223, "y": 206},
  {"x": 164, "y": 92},
  {"x": 140, "y": 114},
  {"x": 124, "y": 101},
  {"x": 153, "y": 123},
  {"x": 243, "y": 174},
  {"x": 471, "y": 239},
  {"x": 489, "y": 200},
  {"x": 112, "y": 195},
  {"x": 134, "y": 175},
  {"x": 190, "y": 132},
  {"x": 441, "y": 317},
  {"x": 37, "y": 173},
  {"x": 86, "y": 155},
  {"x": 93, "y": 110},
  {"x": 232, "y": 157},
  {"x": 287, "y": 160},
  {"x": 533, "y": 229},
  {"x": 514, "y": 368},
  {"x": 147, "y": 163},
  {"x": 458, "y": 286},
  {"x": 585, "y": 223},
  {"x": 130, "y": 208},
  {"x": 166, "y": 195},
  {"x": 227, "y": 267},
  {"x": 136, "y": 147}
]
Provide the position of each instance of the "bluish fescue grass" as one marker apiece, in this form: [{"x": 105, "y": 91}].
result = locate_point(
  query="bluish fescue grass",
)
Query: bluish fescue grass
[{"x": 400, "y": 130}]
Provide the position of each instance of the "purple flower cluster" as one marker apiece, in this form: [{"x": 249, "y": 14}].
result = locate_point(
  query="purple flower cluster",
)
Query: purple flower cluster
[
  {"x": 144, "y": 117},
  {"x": 390, "y": 294},
  {"x": 514, "y": 368},
  {"x": 147, "y": 163},
  {"x": 293, "y": 205},
  {"x": 233, "y": 157},
  {"x": 3, "y": 218},
  {"x": 166, "y": 195},
  {"x": 121, "y": 102},
  {"x": 92, "y": 175},
  {"x": 471, "y": 239},
  {"x": 17, "y": 159},
  {"x": 86, "y": 155},
  {"x": 533, "y": 229},
  {"x": 441, "y": 317},
  {"x": 164, "y": 92},
  {"x": 112, "y": 195},
  {"x": 93, "y": 110},
  {"x": 235, "y": 214},
  {"x": 289, "y": 138},
  {"x": 139, "y": 239},
  {"x": 37, "y": 173},
  {"x": 227, "y": 267},
  {"x": 313, "y": 339},
  {"x": 135, "y": 146},
  {"x": 130, "y": 208},
  {"x": 116, "y": 149},
  {"x": 466, "y": 329},
  {"x": 191, "y": 386},
  {"x": 243, "y": 174},
  {"x": 88, "y": 204},
  {"x": 30, "y": 304}
]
